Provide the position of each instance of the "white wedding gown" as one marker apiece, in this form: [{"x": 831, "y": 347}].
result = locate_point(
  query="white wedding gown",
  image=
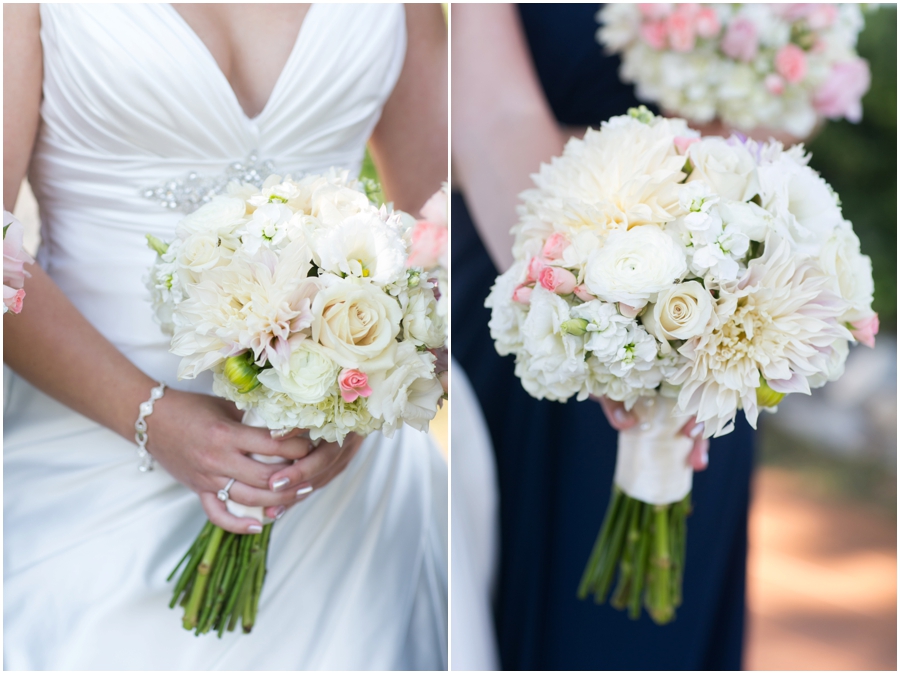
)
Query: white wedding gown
[{"x": 357, "y": 576}]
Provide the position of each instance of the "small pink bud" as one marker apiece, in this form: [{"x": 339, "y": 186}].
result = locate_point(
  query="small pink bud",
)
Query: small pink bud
[
  {"x": 582, "y": 293},
  {"x": 680, "y": 29},
  {"x": 354, "y": 384},
  {"x": 707, "y": 23},
  {"x": 535, "y": 267},
  {"x": 629, "y": 311},
  {"x": 682, "y": 143},
  {"x": 790, "y": 62},
  {"x": 555, "y": 245},
  {"x": 558, "y": 280},
  {"x": 522, "y": 294},
  {"x": 864, "y": 330},
  {"x": 654, "y": 34}
]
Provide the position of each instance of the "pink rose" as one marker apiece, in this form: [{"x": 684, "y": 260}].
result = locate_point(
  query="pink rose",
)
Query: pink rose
[
  {"x": 790, "y": 62},
  {"x": 654, "y": 34},
  {"x": 535, "y": 267},
  {"x": 353, "y": 384},
  {"x": 554, "y": 247},
  {"x": 558, "y": 280},
  {"x": 740, "y": 41},
  {"x": 682, "y": 143},
  {"x": 680, "y": 28},
  {"x": 706, "y": 23},
  {"x": 864, "y": 330},
  {"x": 13, "y": 299},
  {"x": 429, "y": 245},
  {"x": 841, "y": 94},
  {"x": 522, "y": 294},
  {"x": 774, "y": 83},
  {"x": 582, "y": 293}
]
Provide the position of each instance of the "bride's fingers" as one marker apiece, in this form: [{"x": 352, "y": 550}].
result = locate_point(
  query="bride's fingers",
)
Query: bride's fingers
[
  {"x": 249, "y": 471},
  {"x": 301, "y": 472},
  {"x": 219, "y": 515},
  {"x": 261, "y": 441},
  {"x": 692, "y": 429},
  {"x": 275, "y": 512},
  {"x": 288, "y": 433},
  {"x": 699, "y": 456},
  {"x": 618, "y": 417},
  {"x": 250, "y": 496}
]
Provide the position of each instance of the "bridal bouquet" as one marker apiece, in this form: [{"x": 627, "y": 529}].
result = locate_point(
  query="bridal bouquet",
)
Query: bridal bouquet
[
  {"x": 300, "y": 299},
  {"x": 683, "y": 276},
  {"x": 770, "y": 65},
  {"x": 15, "y": 257}
]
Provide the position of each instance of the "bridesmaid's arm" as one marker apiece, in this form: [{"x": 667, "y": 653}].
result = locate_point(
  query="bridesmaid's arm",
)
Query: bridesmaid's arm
[
  {"x": 503, "y": 128},
  {"x": 409, "y": 144},
  {"x": 198, "y": 439}
]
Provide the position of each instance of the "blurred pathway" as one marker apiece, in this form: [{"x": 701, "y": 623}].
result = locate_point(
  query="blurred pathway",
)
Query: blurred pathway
[{"x": 822, "y": 581}]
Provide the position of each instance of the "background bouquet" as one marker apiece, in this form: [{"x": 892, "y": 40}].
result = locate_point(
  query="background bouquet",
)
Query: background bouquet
[
  {"x": 15, "y": 257},
  {"x": 301, "y": 300},
  {"x": 684, "y": 277},
  {"x": 751, "y": 65}
]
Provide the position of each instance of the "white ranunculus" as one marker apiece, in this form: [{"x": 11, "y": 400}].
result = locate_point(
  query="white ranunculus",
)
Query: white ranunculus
[
  {"x": 634, "y": 265},
  {"x": 362, "y": 245},
  {"x": 726, "y": 166},
  {"x": 606, "y": 330},
  {"x": 850, "y": 272},
  {"x": 308, "y": 377},
  {"x": 681, "y": 312},
  {"x": 331, "y": 204},
  {"x": 407, "y": 392},
  {"x": 357, "y": 322}
]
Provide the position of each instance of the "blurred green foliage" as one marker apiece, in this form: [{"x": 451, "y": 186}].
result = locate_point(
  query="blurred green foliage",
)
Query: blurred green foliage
[
  {"x": 860, "y": 161},
  {"x": 369, "y": 172}
]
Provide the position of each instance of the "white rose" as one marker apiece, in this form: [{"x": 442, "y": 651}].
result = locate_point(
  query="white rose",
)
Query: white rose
[
  {"x": 357, "y": 322},
  {"x": 850, "y": 272},
  {"x": 332, "y": 204},
  {"x": 197, "y": 253},
  {"x": 407, "y": 392},
  {"x": 308, "y": 377},
  {"x": 220, "y": 214},
  {"x": 634, "y": 265},
  {"x": 728, "y": 168},
  {"x": 681, "y": 312}
]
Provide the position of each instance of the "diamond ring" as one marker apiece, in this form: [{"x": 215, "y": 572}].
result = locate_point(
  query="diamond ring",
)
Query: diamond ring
[{"x": 222, "y": 494}]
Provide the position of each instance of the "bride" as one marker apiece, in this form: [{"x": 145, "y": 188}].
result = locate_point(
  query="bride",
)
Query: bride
[{"x": 103, "y": 104}]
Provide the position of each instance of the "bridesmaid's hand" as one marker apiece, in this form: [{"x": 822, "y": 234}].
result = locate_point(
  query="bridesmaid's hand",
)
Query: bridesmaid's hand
[
  {"x": 621, "y": 419},
  {"x": 202, "y": 443},
  {"x": 288, "y": 485}
]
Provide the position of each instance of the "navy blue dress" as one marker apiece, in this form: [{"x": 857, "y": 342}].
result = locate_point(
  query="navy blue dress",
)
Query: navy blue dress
[{"x": 555, "y": 461}]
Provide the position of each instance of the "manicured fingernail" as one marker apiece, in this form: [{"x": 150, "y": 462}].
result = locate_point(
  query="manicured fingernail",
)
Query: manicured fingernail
[
  {"x": 281, "y": 484},
  {"x": 303, "y": 491},
  {"x": 620, "y": 415},
  {"x": 254, "y": 529},
  {"x": 697, "y": 430},
  {"x": 278, "y": 432},
  {"x": 704, "y": 459},
  {"x": 279, "y": 511}
]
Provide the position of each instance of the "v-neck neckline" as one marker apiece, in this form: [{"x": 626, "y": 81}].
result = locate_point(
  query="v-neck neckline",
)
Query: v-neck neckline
[{"x": 278, "y": 82}]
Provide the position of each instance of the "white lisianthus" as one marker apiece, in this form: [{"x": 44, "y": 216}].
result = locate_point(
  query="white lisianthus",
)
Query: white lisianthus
[
  {"x": 362, "y": 245},
  {"x": 356, "y": 322},
  {"x": 308, "y": 376},
  {"x": 407, "y": 391},
  {"x": 634, "y": 265},
  {"x": 726, "y": 166},
  {"x": 680, "y": 313},
  {"x": 850, "y": 272}
]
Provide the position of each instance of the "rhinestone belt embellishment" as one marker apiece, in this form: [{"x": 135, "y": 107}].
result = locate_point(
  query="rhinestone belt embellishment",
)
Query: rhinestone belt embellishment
[{"x": 194, "y": 190}]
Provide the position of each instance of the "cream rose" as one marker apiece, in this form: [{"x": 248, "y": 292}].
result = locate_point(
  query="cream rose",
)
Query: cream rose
[
  {"x": 357, "y": 322},
  {"x": 308, "y": 377},
  {"x": 681, "y": 312},
  {"x": 634, "y": 265},
  {"x": 728, "y": 168},
  {"x": 198, "y": 253}
]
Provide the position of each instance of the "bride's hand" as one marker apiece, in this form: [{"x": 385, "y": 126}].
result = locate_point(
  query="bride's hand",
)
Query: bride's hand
[
  {"x": 621, "y": 419},
  {"x": 288, "y": 485},
  {"x": 201, "y": 442}
]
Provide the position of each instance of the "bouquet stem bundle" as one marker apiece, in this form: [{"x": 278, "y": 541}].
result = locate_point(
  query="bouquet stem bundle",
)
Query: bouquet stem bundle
[
  {"x": 222, "y": 580},
  {"x": 647, "y": 544}
]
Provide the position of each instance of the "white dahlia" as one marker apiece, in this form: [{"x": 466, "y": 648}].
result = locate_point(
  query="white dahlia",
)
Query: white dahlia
[{"x": 778, "y": 323}]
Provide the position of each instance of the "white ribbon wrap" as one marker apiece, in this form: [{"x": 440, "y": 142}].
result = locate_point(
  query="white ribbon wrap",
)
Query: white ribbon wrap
[
  {"x": 256, "y": 512},
  {"x": 652, "y": 460}
]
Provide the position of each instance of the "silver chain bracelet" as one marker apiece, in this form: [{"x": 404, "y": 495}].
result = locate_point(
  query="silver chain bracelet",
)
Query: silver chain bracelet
[{"x": 140, "y": 428}]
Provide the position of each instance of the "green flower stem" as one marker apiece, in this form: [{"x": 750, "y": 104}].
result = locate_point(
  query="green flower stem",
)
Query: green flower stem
[
  {"x": 634, "y": 600},
  {"x": 192, "y": 550},
  {"x": 234, "y": 606},
  {"x": 223, "y": 590},
  {"x": 613, "y": 552},
  {"x": 661, "y": 602},
  {"x": 190, "y": 614},
  {"x": 260, "y": 576},
  {"x": 593, "y": 566},
  {"x": 212, "y": 590},
  {"x": 628, "y": 567}
]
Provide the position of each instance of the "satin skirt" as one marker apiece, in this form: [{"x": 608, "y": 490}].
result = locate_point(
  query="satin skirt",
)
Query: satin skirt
[{"x": 357, "y": 575}]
